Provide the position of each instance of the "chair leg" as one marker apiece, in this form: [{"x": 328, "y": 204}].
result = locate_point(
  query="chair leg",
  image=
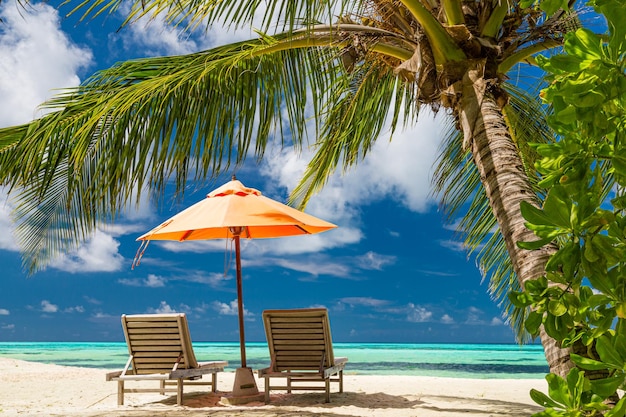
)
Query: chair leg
[
  {"x": 162, "y": 387},
  {"x": 214, "y": 381},
  {"x": 179, "y": 393},
  {"x": 288, "y": 383},
  {"x": 267, "y": 390},
  {"x": 327, "y": 382},
  {"x": 340, "y": 381},
  {"x": 120, "y": 392}
]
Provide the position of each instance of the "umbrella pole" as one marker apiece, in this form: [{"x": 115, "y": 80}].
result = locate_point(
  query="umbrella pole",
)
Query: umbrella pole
[
  {"x": 244, "y": 386},
  {"x": 242, "y": 337}
]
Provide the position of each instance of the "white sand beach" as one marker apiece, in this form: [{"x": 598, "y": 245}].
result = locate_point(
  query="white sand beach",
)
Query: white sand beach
[{"x": 35, "y": 389}]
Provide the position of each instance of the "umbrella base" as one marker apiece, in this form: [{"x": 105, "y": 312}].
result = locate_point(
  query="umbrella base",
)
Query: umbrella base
[{"x": 244, "y": 389}]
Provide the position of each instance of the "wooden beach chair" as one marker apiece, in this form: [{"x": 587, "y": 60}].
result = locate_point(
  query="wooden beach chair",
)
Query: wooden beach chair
[
  {"x": 160, "y": 349},
  {"x": 301, "y": 351}
]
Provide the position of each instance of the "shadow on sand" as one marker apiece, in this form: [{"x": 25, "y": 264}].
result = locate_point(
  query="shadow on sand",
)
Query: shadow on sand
[{"x": 313, "y": 405}]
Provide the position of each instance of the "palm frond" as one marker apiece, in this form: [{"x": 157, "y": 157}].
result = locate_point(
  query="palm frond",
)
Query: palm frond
[
  {"x": 131, "y": 127},
  {"x": 359, "y": 109},
  {"x": 278, "y": 15}
]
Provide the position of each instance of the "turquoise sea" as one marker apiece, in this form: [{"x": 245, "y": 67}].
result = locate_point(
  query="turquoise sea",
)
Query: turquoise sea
[{"x": 445, "y": 360}]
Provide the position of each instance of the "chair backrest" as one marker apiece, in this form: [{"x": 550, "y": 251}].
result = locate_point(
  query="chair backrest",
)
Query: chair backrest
[
  {"x": 156, "y": 341},
  {"x": 299, "y": 339}
]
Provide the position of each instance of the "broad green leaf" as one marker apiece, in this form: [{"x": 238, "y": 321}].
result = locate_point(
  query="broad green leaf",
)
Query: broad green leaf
[
  {"x": 567, "y": 115},
  {"x": 608, "y": 354},
  {"x": 599, "y": 279},
  {"x": 583, "y": 44},
  {"x": 566, "y": 259},
  {"x": 619, "y": 164},
  {"x": 536, "y": 286},
  {"x": 566, "y": 63},
  {"x": 619, "y": 341},
  {"x": 557, "y": 389},
  {"x": 533, "y": 322},
  {"x": 557, "y": 308},
  {"x": 615, "y": 14},
  {"x": 543, "y": 400},
  {"x": 607, "y": 386},
  {"x": 587, "y": 363},
  {"x": 535, "y": 215},
  {"x": 598, "y": 300},
  {"x": 590, "y": 253},
  {"x": 558, "y": 206},
  {"x": 520, "y": 299},
  {"x": 577, "y": 384},
  {"x": 555, "y": 326},
  {"x": 546, "y": 232},
  {"x": 589, "y": 98}
]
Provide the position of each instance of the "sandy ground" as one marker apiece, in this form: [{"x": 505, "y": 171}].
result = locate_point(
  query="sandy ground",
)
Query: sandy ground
[{"x": 33, "y": 389}]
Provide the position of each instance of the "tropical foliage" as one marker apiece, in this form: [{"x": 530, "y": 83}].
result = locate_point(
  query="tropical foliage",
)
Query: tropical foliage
[{"x": 582, "y": 296}]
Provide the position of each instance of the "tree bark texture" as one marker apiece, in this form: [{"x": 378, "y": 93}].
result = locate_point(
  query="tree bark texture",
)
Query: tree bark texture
[{"x": 506, "y": 184}]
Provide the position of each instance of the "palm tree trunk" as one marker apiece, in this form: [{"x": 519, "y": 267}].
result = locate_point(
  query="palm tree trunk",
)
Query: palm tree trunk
[{"x": 506, "y": 185}]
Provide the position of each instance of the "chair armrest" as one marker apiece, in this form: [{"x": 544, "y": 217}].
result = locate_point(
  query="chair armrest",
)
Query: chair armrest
[
  {"x": 111, "y": 375},
  {"x": 262, "y": 372},
  {"x": 341, "y": 360},
  {"x": 214, "y": 364},
  {"x": 207, "y": 368},
  {"x": 340, "y": 363}
]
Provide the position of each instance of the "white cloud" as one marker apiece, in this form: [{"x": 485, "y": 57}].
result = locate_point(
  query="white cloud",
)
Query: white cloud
[
  {"x": 37, "y": 56},
  {"x": 4, "y": 312},
  {"x": 152, "y": 281},
  {"x": 98, "y": 254},
  {"x": 154, "y": 37},
  {"x": 197, "y": 246},
  {"x": 164, "y": 308},
  {"x": 418, "y": 314},
  {"x": 8, "y": 327},
  {"x": 314, "y": 265},
  {"x": 474, "y": 316},
  {"x": 447, "y": 319},
  {"x": 453, "y": 245},
  {"x": 213, "y": 279},
  {"x": 400, "y": 170},
  {"x": 48, "y": 307},
  {"x": 100, "y": 315},
  {"x": 496, "y": 321},
  {"x": 92, "y": 300},
  {"x": 364, "y": 301},
  {"x": 231, "y": 309},
  {"x": 376, "y": 261},
  {"x": 437, "y": 273},
  {"x": 76, "y": 309}
]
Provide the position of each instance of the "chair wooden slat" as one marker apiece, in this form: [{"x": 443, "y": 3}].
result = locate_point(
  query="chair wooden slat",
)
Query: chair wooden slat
[
  {"x": 300, "y": 346},
  {"x": 160, "y": 349}
]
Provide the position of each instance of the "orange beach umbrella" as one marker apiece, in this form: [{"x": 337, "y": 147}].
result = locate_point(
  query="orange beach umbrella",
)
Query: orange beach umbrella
[{"x": 234, "y": 211}]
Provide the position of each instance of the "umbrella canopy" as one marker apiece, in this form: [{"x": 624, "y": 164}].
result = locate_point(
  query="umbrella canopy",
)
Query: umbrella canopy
[
  {"x": 234, "y": 205},
  {"x": 236, "y": 211}
]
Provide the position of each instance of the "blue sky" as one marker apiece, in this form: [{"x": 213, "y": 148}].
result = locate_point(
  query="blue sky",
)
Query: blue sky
[{"x": 391, "y": 272}]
